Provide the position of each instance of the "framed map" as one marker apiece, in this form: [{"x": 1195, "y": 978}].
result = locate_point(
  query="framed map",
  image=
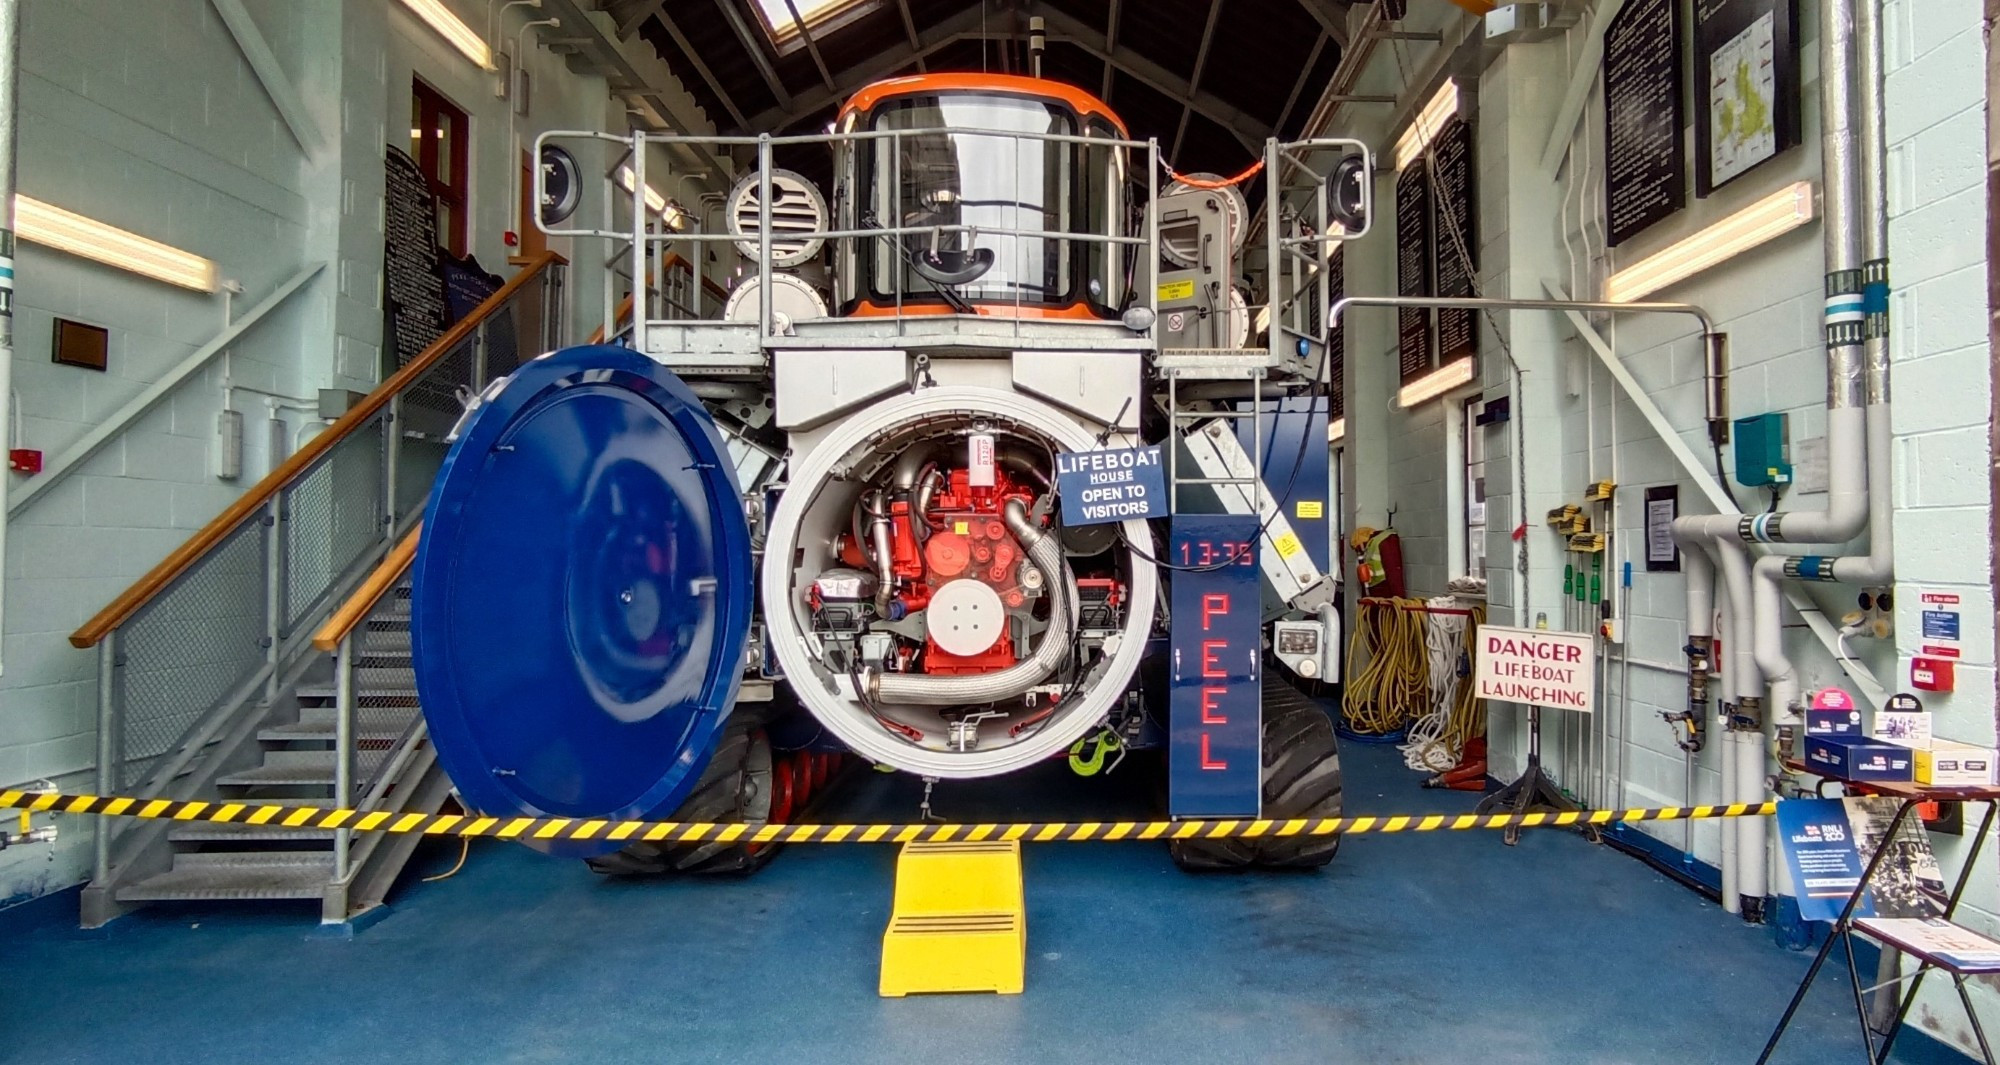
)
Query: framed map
[{"x": 1747, "y": 86}]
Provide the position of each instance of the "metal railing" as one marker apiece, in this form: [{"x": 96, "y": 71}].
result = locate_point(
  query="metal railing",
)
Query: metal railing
[
  {"x": 222, "y": 622},
  {"x": 374, "y": 683},
  {"x": 638, "y": 236}
]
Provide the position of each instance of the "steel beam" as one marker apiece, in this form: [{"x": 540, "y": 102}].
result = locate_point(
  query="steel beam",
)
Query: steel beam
[
  {"x": 1331, "y": 16},
  {"x": 1299, "y": 83},
  {"x": 845, "y": 82},
  {"x": 910, "y": 30},
  {"x": 755, "y": 52},
  {"x": 285, "y": 95},
  {"x": 1194, "y": 80},
  {"x": 694, "y": 58},
  {"x": 637, "y": 15},
  {"x": 1248, "y": 130},
  {"x": 1110, "y": 45},
  {"x": 812, "y": 46}
]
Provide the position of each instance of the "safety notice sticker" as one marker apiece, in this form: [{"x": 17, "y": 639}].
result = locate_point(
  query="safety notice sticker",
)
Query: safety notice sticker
[
  {"x": 1536, "y": 667},
  {"x": 1101, "y": 486},
  {"x": 1940, "y": 624}
]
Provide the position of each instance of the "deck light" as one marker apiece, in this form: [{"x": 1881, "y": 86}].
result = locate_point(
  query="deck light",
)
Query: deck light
[
  {"x": 453, "y": 29},
  {"x": 88, "y": 238},
  {"x": 1761, "y": 222}
]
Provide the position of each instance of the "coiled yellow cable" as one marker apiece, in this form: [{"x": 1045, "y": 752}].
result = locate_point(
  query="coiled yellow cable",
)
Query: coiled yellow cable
[{"x": 1388, "y": 671}]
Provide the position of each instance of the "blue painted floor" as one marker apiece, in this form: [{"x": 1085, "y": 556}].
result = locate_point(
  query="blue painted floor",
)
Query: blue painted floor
[{"x": 1431, "y": 948}]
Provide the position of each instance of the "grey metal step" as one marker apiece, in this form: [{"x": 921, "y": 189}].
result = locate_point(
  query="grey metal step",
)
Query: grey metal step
[
  {"x": 273, "y": 875},
  {"x": 299, "y": 768},
  {"x": 380, "y": 728},
  {"x": 373, "y": 717},
  {"x": 386, "y": 695},
  {"x": 237, "y": 832}
]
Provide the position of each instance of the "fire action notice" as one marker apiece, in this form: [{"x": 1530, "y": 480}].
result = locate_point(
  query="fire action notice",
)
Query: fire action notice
[{"x": 1535, "y": 667}]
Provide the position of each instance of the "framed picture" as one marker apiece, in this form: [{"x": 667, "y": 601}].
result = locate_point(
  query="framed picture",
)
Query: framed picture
[{"x": 78, "y": 344}]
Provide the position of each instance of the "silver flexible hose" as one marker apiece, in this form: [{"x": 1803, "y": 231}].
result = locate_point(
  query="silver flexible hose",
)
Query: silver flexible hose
[
  {"x": 1045, "y": 551},
  {"x": 885, "y": 581}
]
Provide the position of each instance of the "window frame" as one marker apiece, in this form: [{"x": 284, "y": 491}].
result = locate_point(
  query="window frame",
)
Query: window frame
[
  {"x": 1460, "y": 426},
  {"x": 449, "y": 179},
  {"x": 786, "y": 36}
]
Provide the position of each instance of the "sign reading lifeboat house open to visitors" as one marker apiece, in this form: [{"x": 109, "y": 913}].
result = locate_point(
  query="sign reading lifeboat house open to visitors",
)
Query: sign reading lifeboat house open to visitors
[{"x": 1535, "y": 667}]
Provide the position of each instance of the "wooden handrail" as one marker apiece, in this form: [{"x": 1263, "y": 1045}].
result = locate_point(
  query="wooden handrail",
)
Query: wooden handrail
[
  {"x": 371, "y": 592},
  {"x": 202, "y": 542}
]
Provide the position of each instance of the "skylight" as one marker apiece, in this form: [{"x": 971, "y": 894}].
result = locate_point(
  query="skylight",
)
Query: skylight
[{"x": 819, "y": 15}]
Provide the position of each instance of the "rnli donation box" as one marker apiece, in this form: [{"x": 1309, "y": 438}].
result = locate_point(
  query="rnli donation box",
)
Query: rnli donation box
[
  {"x": 1215, "y": 764},
  {"x": 1535, "y": 667}
]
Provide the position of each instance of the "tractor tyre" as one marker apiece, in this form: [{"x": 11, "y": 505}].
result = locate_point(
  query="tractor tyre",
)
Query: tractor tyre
[
  {"x": 1301, "y": 780},
  {"x": 735, "y": 787}
]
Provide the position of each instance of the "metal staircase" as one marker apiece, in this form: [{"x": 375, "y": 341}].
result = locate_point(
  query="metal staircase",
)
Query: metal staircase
[
  {"x": 268, "y": 659},
  {"x": 391, "y": 767}
]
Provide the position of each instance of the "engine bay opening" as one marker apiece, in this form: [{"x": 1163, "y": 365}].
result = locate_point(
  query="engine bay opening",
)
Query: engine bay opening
[{"x": 942, "y": 609}]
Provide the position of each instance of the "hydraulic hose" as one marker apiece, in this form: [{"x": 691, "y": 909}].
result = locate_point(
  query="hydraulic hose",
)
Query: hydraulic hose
[{"x": 1045, "y": 551}]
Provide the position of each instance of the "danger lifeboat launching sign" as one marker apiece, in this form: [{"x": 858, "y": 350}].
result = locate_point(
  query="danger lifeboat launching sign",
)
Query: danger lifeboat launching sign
[{"x": 1536, "y": 667}]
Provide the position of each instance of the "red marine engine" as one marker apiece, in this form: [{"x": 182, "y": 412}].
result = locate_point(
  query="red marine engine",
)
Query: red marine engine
[{"x": 958, "y": 590}]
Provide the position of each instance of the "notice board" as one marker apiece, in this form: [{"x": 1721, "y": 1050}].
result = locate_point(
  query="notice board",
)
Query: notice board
[
  {"x": 1413, "y": 270},
  {"x": 1455, "y": 238},
  {"x": 414, "y": 307},
  {"x": 1645, "y": 158},
  {"x": 1746, "y": 71}
]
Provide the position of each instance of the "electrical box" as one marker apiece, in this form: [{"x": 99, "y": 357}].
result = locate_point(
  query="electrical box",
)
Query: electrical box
[{"x": 1763, "y": 450}]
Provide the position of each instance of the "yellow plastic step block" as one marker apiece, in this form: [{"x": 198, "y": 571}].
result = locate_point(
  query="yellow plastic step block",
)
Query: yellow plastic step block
[{"x": 960, "y": 921}]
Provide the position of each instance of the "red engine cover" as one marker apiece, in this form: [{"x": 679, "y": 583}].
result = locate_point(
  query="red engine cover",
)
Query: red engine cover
[{"x": 968, "y": 541}]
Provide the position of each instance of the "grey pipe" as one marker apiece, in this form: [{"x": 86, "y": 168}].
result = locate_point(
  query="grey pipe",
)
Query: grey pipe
[
  {"x": 909, "y": 464},
  {"x": 1870, "y": 78},
  {"x": 885, "y": 573},
  {"x": 1840, "y": 228},
  {"x": 1045, "y": 551}
]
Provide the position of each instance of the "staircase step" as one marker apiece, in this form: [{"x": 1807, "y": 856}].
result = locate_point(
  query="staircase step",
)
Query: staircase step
[
  {"x": 300, "y": 768},
  {"x": 272, "y": 875},
  {"x": 237, "y": 832},
  {"x": 368, "y": 728},
  {"x": 386, "y": 695},
  {"x": 378, "y": 718}
]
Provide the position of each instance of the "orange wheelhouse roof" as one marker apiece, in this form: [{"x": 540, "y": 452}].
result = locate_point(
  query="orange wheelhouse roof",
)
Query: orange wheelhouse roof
[{"x": 996, "y": 84}]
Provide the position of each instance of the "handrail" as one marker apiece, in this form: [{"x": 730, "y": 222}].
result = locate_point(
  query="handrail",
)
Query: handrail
[
  {"x": 708, "y": 285},
  {"x": 198, "y": 546},
  {"x": 672, "y": 260},
  {"x": 372, "y": 589}
]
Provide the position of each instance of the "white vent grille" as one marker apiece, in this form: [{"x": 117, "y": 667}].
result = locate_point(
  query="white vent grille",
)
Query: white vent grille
[{"x": 796, "y": 208}]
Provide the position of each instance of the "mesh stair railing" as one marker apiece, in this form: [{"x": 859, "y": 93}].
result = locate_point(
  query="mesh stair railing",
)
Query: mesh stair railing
[{"x": 213, "y": 644}]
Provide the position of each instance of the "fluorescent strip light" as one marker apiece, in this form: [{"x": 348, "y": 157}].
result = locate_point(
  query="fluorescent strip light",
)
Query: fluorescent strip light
[
  {"x": 88, "y": 238},
  {"x": 1442, "y": 108},
  {"x": 1336, "y": 430},
  {"x": 1436, "y": 383},
  {"x": 655, "y": 202},
  {"x": 451, "y": 28},
  {"x": 1761, "y": 222}
]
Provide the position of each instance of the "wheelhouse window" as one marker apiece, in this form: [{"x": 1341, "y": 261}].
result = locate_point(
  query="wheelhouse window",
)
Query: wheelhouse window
[{"x": 978, "y": 168}]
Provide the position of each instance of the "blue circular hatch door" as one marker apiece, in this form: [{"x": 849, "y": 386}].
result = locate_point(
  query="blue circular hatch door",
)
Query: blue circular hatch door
[{"x": 582, "y": 593}]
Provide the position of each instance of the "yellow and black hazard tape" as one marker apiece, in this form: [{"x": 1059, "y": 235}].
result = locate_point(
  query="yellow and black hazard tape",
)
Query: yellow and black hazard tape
[{"x": 564, "y": 828}]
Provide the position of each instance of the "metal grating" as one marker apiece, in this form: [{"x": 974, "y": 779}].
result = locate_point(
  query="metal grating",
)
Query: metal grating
[
  {"x": 191, "y": 647},
  {"x": 332, "y": 517}
]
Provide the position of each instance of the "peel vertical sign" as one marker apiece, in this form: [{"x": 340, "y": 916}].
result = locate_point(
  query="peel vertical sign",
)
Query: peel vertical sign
[
  {"x": 1536, "y": 667},
  {"x": 1215, "y": 763}
]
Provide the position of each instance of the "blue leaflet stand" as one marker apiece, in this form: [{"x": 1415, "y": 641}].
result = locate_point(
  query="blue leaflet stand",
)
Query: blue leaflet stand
[{"x": 582, "y": 594}]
